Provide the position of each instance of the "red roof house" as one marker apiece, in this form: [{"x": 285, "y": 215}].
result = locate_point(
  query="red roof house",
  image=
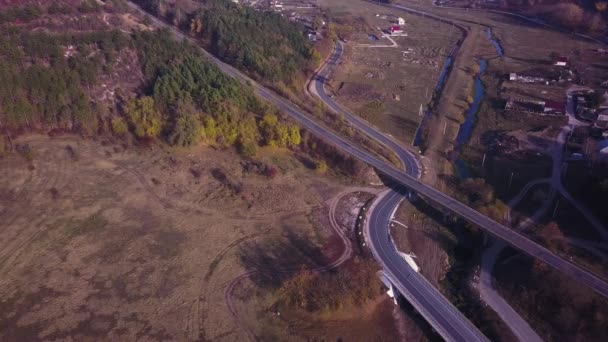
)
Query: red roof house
[{"x": 395, "y": 29}]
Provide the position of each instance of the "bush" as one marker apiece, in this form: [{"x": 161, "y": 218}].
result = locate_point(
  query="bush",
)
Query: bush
[
  {"x": 26, "y": 151},
  {"x": 119, "y": 126},
  {"x": 247, "y": 148},
  {"x": 321, "y": 166},
  {"x": 2, "y": 146},
  {"x": 143, "y": 117},
  {"x": 270, "y": 172},
  {"x": 56, "y": 8}
]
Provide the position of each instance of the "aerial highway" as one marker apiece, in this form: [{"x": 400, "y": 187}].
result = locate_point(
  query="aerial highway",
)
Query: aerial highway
[
  {"x": 450, "y": 323},
  {"x": 412, "y": 183}
]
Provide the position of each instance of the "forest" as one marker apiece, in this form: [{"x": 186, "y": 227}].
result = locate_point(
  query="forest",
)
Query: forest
[
  {"x": 263, "y": 44},
  {"x": 40, "y": 87},
  {"x": 188, "y": 99},
  {"x": 184, "y": 99}
]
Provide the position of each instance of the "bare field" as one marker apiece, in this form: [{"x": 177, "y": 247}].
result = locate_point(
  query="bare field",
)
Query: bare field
[
  {"x": 138, "y": 244},
  {"x": 387, "y": 85}
]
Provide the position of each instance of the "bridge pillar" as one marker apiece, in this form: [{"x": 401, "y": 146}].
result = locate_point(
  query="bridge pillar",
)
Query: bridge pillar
[{"x": 392, "y": 291}]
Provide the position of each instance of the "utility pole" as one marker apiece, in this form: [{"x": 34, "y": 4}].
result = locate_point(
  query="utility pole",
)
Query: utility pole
[
  {"x": 445, "y": 126},
  {"x": 483, "y": 160},
  {"x": 510, "y": 180}
]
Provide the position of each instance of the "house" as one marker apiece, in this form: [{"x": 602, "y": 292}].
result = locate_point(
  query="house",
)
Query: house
[
  {"x": 525, "y": 106},
  {"x": 400, "y": 21},
  {"x": 514, "y": 77},
  {"x": 395, "y": 29},
  {"x": 602, "y": 121},
  {"x": 554, "y": 108},
  {"x": 561, "y": 61},
  {"x": 536, "y": 107}
]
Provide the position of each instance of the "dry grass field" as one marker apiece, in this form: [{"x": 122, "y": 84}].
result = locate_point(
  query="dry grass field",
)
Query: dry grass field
[
  {"x": 98, "y": 241},
  {"x": 387, "y": 85}
]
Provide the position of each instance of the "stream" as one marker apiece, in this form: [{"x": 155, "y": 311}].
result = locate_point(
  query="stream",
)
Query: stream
[
  {"x": 496, "y": 43},
  {"x": 464, "y": 133},
  {"x": 466, "y": 128}
]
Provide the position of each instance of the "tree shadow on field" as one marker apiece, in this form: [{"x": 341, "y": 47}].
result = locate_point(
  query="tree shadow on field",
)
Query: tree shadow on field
[{"x": 275, "y": 259}]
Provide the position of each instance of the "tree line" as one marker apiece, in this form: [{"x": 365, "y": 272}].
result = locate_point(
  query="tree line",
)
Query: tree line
[
  {"x": 264, "y": 44},
  {"x": 188, "y": 99}
]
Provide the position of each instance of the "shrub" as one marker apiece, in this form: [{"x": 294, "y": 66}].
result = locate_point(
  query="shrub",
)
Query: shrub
[
  {"x": 270, "y": 172},
  {"x": 26, "y": 151},
  {"x": 119, "y": 126},
  {"x": 321, "y": 166},
  {"x": 247, "y": 148}
]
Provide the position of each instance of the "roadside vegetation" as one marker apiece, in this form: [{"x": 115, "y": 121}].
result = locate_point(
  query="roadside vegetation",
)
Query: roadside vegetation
[{"x": 562, "y": 311}]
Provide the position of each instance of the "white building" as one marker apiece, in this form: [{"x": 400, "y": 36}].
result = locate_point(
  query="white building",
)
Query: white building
[{"x": 400, "y": 21}]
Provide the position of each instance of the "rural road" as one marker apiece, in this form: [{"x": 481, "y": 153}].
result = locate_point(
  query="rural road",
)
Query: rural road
[
  {"x": 451, "y": 324},
  {"x": 317, "y": 88},
  {"x": 430, "y": 194}
]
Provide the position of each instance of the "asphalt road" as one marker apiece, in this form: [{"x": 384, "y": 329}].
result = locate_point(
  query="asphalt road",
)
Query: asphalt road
[
  {"x": 430, "y": 194},
  {"x": 450, "y": 323},
  {"x": 410, "y": 163}
]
